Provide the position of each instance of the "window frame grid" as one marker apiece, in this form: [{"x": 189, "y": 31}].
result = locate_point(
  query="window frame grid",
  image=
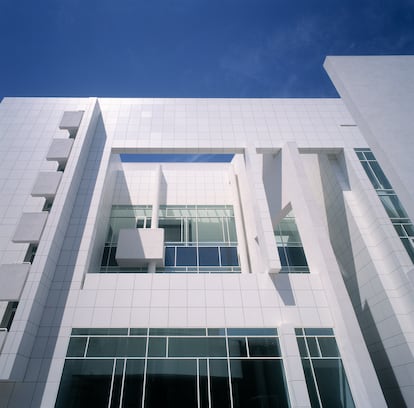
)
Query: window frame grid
[
  {"x": 387, "y": 192},
  {"x": 219, "y": 333}
]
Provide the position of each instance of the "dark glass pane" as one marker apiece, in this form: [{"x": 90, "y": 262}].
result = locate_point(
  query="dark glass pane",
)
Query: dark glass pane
[
  {"x": 310, "y": 383},
  {"x": 76, "y": 347},
  {"x": 237, "y": 347},
  {"x": 216, "y": 332},
  {"x": 112, "y": 260},
  {"x": 252, "y": 332},
  {"x": 319, "y": 331},
  {"x": 172, "y": 229},
  {"x": 264, "y": 347},
  {"x": 302, "y": 347},
  {"x": 369, "y": 155},
  {"x": 117, "y": 384},
  {"x": 140, "y": 223},
  {"x": 229, "y": 256},
  {"x": 384, "y": 183},
  {"x": 100, "y": 332},
  {"x": 138, "y": 332},
  {"x": 371, "y": 175},
  {"x": 197, "y": 347},
  {"x": 400, "y": 230},
  {"x": 208, "y": 256},
  {"x": 105, "y": 256},
  {"x": 313, "y": 347},
  {"x": 85, "y": 384},
  {"x": 177, "y": 332},
  {"x": 258, "y": 384},
  {"x": 328, "y": 347},
  {"x": 186, "y": 256},
  {"x": 169, "y": 256},
  {"x": 203, "y": 384},
  {"x": 282, "y": 256},
  {"x": 219, "y": 384},
  {"x": 133, "y": 383},
  {"x": 393, "y": 206},
  {"x": 360, "y": 155},
  {"x": 116, "y": 347},
  {"x": 409, "y": 229},
  {"x": 296, "y": 256},
  {"x": 332, "y": 383},
  {"x": 157, "y": 347},
  {"x": 171, "y": 383},
  {"x": 299, "y": 332}
]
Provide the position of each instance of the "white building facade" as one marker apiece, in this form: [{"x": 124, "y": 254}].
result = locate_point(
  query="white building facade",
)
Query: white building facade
[{"x": 281, "y": 277}]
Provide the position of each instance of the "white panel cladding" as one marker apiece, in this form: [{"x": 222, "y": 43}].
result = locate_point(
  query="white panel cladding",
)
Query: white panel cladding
[
  {"x": 30, "y": 227},
  {"x": 59, "y": 150},
  {"x": 46, "y": 184},
  {"x": 71, "y": 120},
  {"x": 12, "y": 280},
  {"x": 139, "y": 246}
]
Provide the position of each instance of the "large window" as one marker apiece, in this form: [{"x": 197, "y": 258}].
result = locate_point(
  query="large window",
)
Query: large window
[
  {"x": 395, "y": 210},
  {"x": 289, "y": 245},
  {"x": 198, "y": 239},
  {"x": 194, "y": 368},
  {"x": 324, "y": 372}
]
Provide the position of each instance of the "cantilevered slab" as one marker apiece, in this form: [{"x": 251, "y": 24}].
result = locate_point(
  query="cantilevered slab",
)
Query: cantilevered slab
[
  {"x": 59, "y": 150},
  {"x": 12, "y": 279},
  {"x": 30, "y": 227},
  {"x": 71, "y": 120},
  {"x": 138, "y": 247},
  {"x": 46, "y": 184}
]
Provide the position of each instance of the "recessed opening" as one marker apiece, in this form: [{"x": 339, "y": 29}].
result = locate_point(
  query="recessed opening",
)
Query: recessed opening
[{"x": 176, "y": 158}]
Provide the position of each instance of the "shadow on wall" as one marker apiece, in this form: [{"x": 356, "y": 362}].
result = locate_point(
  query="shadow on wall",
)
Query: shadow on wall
[
  {"x": 335, "y": 181},
  {"x": 284, "y": 288}
]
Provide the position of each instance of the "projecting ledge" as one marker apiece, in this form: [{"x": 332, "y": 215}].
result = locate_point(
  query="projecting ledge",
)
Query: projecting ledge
[
  {"x": 12, "y": 280},
  {"x": 59, "y": 150},
  {"x": 30, "y": 227},
  {"x": 71, "y": 120},
  {"x": 46, "y": 184},
  {"x": 138, "y": 247}
]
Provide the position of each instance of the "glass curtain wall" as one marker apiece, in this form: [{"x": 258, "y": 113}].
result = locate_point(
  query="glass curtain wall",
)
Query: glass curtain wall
[
  {"x": 151, "y": 368},
  {"x": 324, "y": 372},
  {"x": 395, "y": 210},
  {"x": 197, "y": 239}
]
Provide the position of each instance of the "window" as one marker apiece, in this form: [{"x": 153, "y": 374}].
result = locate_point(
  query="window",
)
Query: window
[
  {"x": 324, "y": 372},
  {"x": 392, "y": 205},
  {"x": 8, "y": 316},
  {"x": 199, "y": 239},
  {"x": 289, "y": 245},
  {"x": 209, "y": 368}
]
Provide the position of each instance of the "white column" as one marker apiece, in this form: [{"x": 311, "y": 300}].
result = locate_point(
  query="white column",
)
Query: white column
[
  {"x": 265, "y": 239},
  {"x": 239, "y": 220},
  {"x": 155, "y": 208},
  {"x": 364, "y": 385}
]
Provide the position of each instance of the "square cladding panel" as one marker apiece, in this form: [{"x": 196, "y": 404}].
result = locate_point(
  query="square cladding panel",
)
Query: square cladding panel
[{"x": 138, "y": 247}]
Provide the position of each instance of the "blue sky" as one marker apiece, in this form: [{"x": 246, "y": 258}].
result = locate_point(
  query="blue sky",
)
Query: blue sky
[{"x": 190, "y": 48}]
